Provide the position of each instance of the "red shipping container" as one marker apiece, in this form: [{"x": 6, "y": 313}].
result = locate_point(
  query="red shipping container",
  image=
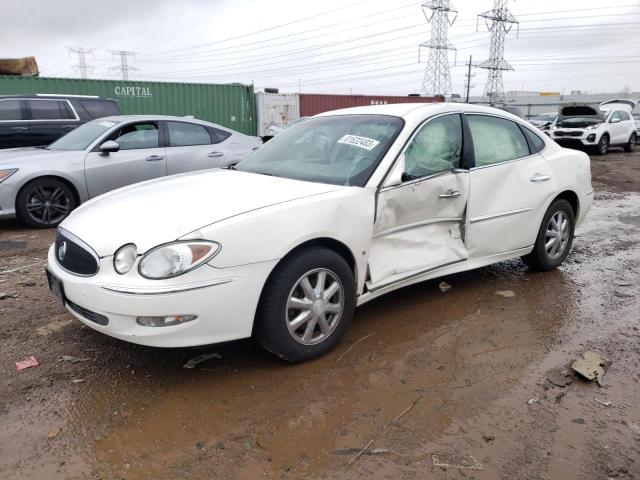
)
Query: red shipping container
[{"x": 313, "y": 103}]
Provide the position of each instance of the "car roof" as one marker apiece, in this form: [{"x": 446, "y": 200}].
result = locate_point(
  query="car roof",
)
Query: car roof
[
  {"x": 133, "y": 118},
  {"x": 407, "y": 110},
  {"x": 58, "y": 96}
]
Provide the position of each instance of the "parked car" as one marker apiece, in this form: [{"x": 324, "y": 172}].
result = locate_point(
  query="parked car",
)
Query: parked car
[
  {"x": 332, "y": 213},
  {"x": 33, "y": 120},
  {"x": 584, "y": 126},
  {"x": 43, "y": 185},
  {"x": 545, "y": 121}
]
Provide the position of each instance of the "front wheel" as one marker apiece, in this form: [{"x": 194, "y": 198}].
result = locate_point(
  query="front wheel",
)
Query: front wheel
[
  {"x": 44, "y": 203},
  {"x": 554, "y": 237},
  {"x": 603, "y": 145},
  {"x": 306, "y": 305},
  {"x": 631, "y": 145}
]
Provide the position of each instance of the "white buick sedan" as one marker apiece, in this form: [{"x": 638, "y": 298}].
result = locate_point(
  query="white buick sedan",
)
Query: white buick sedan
[{"x": 336, "y": 211}]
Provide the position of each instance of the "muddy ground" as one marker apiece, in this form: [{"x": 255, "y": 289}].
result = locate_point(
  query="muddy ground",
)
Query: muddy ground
[{"x": 420, "y": 372}]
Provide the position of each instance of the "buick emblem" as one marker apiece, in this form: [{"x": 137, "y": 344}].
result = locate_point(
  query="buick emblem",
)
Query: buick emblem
[{"x": 62, "y": 251}]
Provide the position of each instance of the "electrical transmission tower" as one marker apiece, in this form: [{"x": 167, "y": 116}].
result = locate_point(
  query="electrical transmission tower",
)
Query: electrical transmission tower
[
  {"x": 82, "y": 68},
  {"x": 437, "y": 80},
  {"x": 499, "y": 21},
  {"x": 124, "y": 68}
]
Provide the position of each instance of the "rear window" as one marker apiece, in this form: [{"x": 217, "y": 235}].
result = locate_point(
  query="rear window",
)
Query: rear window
[
  {"x": 10, "y": 110},
  {"x": 100, "y": 108},
  {"x": 50, "y": 110}
]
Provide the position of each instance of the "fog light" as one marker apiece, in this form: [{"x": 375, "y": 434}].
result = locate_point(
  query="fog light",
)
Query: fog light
[
  {"x": 168, "y": 321},
  {"x": 591, "y": 138}
]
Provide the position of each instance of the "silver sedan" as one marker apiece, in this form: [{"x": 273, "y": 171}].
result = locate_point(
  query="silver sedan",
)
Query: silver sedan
[{"x": 41, "y": 186}]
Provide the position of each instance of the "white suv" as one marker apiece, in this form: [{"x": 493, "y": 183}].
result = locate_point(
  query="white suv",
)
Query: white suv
[{"x": 582, "y": 126}]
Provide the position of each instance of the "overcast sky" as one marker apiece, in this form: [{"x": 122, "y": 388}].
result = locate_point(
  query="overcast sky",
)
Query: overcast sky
[{"x": 333, "y": 46}]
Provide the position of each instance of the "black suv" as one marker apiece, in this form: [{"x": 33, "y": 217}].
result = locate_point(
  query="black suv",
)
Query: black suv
[{"x": 33, "y": 120}]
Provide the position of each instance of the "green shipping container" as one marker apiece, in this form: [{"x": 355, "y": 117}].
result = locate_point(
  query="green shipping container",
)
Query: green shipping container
[{"x": 231, "y": 105}]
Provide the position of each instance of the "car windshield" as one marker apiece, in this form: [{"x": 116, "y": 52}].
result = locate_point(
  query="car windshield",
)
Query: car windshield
[
  {"x": 83, "y": 136},
  {"x": 341, "y": 149},
  {"x": 547, "y": 117}
]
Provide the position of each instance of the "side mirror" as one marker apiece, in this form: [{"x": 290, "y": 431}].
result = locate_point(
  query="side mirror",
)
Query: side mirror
[
  {"x": 614, "y": 120},
  {"x": 109, "y": 146},
  {"x": 397, "y": 174}
]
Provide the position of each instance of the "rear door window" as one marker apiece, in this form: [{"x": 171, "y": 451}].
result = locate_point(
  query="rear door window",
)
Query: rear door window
[
  {"x": 624, "y": 116},
  {"x": 10, "y": 110},
  {"x": 183, "y": 134},
  {"x": 137, "y": 135},
  {"x": 50, "y": 110},
  {"x": 100, "y": 108},
  {"x": 496, "y": 140}
]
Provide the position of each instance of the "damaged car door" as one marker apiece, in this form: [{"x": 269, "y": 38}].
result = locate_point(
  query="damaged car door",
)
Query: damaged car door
[
  {"x": 511, "y": 183},
  {"x": 421, "y": 207}
]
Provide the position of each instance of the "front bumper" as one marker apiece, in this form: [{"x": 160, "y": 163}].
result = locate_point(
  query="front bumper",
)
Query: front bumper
[
  {"x": 7, "y": 200},
  {"x": 225, "y": 301},
  {"x": 587, "y": 138}
]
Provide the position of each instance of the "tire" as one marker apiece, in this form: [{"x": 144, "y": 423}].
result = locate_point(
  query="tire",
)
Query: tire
[
  {"x": 543, "y": 258},
  {"x": 631, "y": 145},
  {"x": 275, "y": 329},
  {"x": 44, "y": 203},
  {"x": 603, "y": 145}
]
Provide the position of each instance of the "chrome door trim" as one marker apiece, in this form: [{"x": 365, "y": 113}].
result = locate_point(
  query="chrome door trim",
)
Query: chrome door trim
[
  {"x": 499, "y": 215},
  {"x": 411, "y": 226}
]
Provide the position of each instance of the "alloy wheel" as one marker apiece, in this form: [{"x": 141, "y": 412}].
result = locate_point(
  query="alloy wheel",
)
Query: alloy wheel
[
  {"x": 557, "y": 235},
  {"x": 314, "y": 306},
  {"x": 47, "y": 205},
  {"x": 604, "y": 145}
]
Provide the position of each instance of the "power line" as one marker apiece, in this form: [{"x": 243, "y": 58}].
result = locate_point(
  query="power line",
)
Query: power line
[
  {"x": 82, "y": 67},
  {"x": 437, "y": 79},
  {"x": 124, "y": 68}
]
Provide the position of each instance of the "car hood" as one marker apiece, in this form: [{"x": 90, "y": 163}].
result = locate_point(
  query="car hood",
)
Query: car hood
[
  {"x": 13, "y": 156},
  {"x": 159, "y": 211},
  {"x": 578, "y": 109},
  {"x": 623, "y": 104}
]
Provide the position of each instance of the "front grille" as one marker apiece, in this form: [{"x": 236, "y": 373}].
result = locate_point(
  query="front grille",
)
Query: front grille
[
  {"x": 73, "y": 257},
  {"x": 570, "y": 143},
  {"x": 572, "y": 133},
  {"x": 88, "y": 314}
]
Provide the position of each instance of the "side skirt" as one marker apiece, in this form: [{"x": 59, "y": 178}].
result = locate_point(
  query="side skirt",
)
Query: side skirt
[{"x": 442, "y": 271}]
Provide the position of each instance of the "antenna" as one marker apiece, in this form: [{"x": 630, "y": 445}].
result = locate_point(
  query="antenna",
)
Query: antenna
[
  {"x": 437, "y": 79},
  {"x": 499, "y": 21}
]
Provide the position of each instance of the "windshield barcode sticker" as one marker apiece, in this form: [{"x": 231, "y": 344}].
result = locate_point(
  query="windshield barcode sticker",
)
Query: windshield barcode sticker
[{"x": 362, "y": 142}]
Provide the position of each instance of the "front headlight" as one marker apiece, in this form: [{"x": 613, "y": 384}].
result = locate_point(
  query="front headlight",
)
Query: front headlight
[
  {"x": 592, "y": 127},
  {"x": 124, "y": 258},
  {"x": 4, "y": 174},
  {"x": 173, "y": 259}
]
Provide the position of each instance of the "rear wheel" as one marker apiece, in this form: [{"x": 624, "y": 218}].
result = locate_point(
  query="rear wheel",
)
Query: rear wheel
[
  {"x": 44, "y": 203},
  {"x": 554, "y": 239},
  {"x": 631, "y": 145},
  {"x": 603, "y": 145},
  {"x": 306, "y": 305}
]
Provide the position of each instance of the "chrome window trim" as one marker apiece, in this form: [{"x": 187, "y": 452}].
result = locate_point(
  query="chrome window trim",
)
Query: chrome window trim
[{"x": 20, "y": 99}]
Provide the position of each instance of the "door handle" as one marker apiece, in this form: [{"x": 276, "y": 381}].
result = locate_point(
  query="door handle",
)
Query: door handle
[
  {"x": 154, "y": 158},
  {"x": 19, "y": 129},
  {"x": 540, "y": 178},
  {"x": 450, "y": 194},
  {"x": 215, "y": 154}
]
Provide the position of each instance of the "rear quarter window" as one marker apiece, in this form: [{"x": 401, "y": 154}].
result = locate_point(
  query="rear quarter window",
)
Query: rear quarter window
[
  {"x": 100, "y": 108},
  {"x": 536, "y": 144}
]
